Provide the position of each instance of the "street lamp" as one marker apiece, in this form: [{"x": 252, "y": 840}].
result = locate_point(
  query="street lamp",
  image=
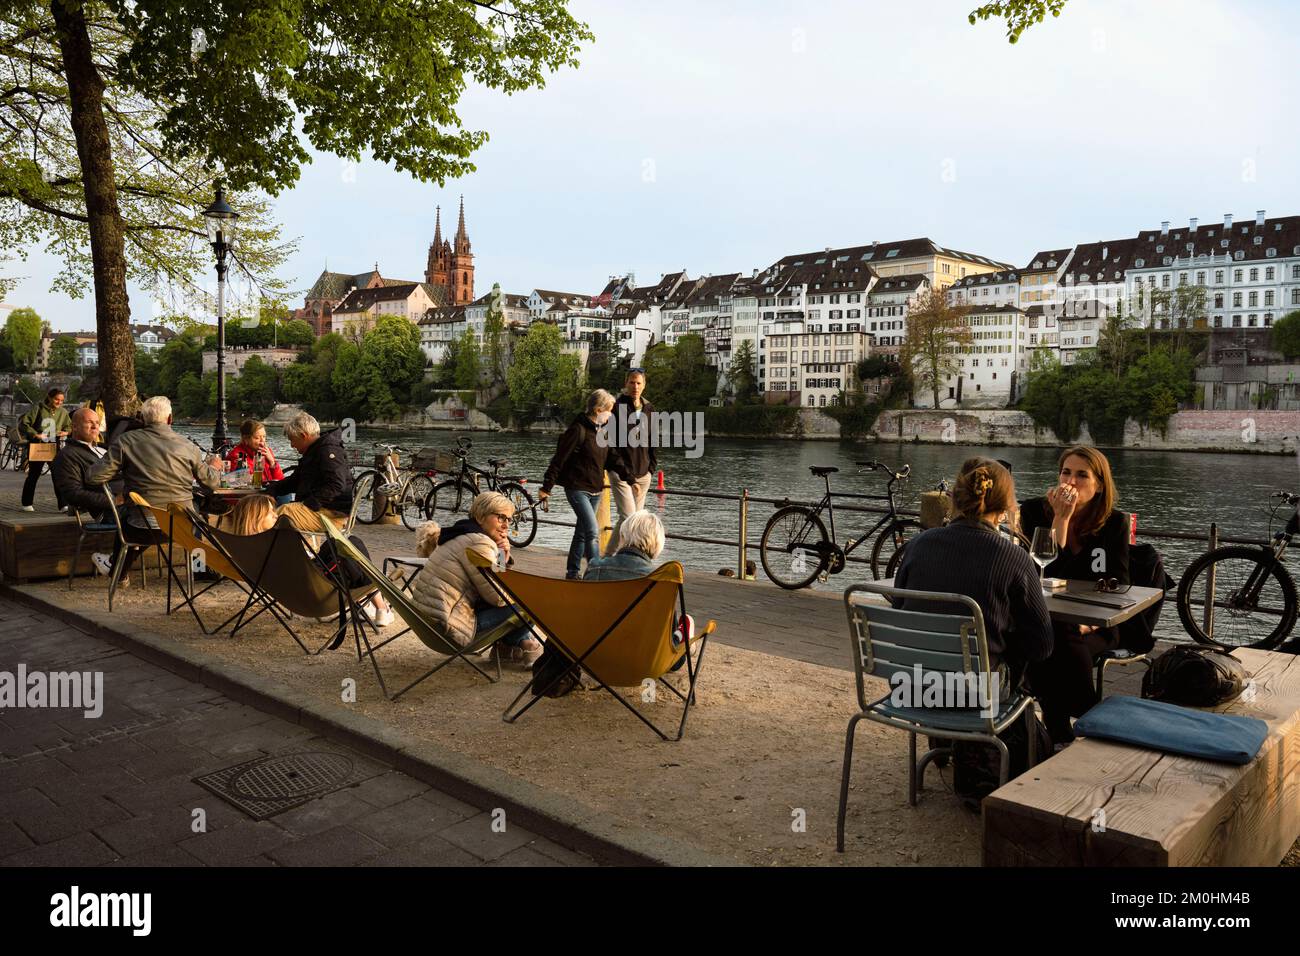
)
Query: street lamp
[{"x": 223, "y": 228}]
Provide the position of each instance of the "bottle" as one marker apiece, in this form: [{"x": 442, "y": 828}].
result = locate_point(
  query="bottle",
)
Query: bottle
[{"x": 257, "y": 471}]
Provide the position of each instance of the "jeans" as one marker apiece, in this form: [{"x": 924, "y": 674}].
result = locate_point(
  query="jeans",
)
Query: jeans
[
  {"x": 586, "y": 536},
  {"x": 490, "y": 617}
]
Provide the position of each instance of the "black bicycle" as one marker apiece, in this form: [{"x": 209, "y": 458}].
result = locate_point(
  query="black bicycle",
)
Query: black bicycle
[
  {"x": 1242, "y": 595},
  {"x": 796, "y": 547},
  {"x": 455, "y": 494}
]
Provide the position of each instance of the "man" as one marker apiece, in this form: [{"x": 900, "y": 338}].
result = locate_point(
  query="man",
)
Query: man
[
  {"x": 160, "y": 466},
  {"x": 45, "y": 422},
  {"x": 633, "y": 454},
  {"x": 322, "y": 480},
  {"x": 72, "y": 468}
]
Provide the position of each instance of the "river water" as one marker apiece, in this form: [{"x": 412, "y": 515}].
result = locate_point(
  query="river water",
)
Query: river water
[{"x": 1169, "y": 491}]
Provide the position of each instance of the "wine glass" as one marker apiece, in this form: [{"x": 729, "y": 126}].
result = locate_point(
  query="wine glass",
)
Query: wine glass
[{"x": 1043, "y": 549}]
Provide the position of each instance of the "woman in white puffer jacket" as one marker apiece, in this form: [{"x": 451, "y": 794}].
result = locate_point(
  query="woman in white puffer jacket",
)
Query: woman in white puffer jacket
[{"x": 453, "y": 594}]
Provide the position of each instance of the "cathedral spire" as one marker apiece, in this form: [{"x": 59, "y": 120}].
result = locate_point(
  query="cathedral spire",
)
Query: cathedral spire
[
  {"x": 462, "y": 237},
  {"x": 437, "y": 229}
]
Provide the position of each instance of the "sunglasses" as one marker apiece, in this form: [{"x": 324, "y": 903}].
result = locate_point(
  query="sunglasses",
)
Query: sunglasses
[
  {"x": 636, "y": 371},
  {"x": 1111, "y": 586}
]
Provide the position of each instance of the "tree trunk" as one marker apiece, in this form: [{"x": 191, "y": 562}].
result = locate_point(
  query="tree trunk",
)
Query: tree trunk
[{"x": 108, "y": 257}]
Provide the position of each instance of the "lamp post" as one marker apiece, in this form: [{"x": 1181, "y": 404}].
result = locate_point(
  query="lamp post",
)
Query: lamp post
[{"x": 223, "y": 226}]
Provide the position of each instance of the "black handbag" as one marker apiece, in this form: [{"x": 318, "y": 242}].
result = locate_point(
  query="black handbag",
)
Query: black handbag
[{"x": 1194, "y": 676}]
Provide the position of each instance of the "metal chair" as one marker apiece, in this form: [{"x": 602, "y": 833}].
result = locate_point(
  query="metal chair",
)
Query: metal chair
[
  {"x": 953, "y": 648},
  {"x": 85, "y": 528},
  {"x": 124, "y": 548},
  {"x": 1120, "y": 657}
]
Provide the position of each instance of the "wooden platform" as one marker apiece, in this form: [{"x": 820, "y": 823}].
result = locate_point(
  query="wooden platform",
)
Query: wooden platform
[{"x": 1106, "y": 804}]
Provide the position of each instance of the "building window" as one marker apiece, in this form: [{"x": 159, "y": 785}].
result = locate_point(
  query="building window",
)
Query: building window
[{"x": 1268, "y": 274}]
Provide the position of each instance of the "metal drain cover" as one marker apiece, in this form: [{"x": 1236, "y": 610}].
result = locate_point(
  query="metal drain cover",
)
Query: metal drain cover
[{"x": 269, "y": 785}]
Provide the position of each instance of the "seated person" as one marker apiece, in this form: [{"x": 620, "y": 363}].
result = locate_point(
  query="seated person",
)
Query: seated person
[
  {"x": 252, "y": 443},
  {"x": 160, "y": 466},
  {"x": 74, "y": 464},
  {"x": 256, "y": 513},
  {"x": 1092, "y": 536},
  {"x": 321, "y": 482},
  {"x": 452, "y": 593}
]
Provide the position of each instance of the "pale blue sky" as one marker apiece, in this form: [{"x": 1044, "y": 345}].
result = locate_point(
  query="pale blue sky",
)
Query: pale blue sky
[{"x": 720, "y": 136}]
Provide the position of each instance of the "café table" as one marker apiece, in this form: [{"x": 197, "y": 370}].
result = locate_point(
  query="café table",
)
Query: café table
[{"x": 1080, "y": 603}]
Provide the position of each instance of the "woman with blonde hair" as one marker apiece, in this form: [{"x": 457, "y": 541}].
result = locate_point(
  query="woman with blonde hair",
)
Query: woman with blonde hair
[{"x": 455, "y": 595}]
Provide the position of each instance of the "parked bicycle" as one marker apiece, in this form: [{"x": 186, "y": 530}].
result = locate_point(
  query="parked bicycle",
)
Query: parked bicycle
[
  {"x": 13, "y": 456},
  {"x": 403, "y": 490},
  {"x": 1243, "y": 595},
  {"x": 455, "y": 493},
  {"x": 796, "y": 548}
]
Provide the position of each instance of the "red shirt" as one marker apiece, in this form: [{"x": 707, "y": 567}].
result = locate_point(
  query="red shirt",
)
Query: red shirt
[{"x": 242, "y": 456}]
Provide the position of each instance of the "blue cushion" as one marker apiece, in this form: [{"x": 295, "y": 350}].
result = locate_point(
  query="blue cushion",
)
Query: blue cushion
[{"x": 1174, "y": 729}]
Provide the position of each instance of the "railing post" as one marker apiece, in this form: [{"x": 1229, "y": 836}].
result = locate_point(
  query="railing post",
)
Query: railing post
[
  {"x": 744, "y": 533},
  {"x": 1207, "y": 616},
  {"x": 603, "y": 518}
]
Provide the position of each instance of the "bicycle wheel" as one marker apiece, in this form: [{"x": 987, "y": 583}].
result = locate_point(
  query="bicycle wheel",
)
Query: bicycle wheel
[
  {"x": 363, "y": 496},
  {"x": 887, "y": 550},
  {"x": 448, "y": 499},
  {"x": 414, "y": 493},
  {"x": 1254, "y": 602},
  {"x": 523, "y": 526},
  {"x": 794, "y": 547}
]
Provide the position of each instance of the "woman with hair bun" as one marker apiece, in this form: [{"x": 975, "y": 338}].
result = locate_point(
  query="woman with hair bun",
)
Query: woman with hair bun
[{"x": 969, "y": 556}]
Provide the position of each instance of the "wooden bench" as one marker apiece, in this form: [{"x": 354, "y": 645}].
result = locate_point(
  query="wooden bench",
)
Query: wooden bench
[
  {"x": 1105, "y": 804},
  {"x": 41, "y": 546}
]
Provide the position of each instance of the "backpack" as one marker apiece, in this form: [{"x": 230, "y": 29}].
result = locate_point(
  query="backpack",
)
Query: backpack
[
  {"x": 976, "y": 764},
  {"x": 1146, "y": 569},
  {"x": 554, "y": 675},
  {"x": 1194, "y": 676}
]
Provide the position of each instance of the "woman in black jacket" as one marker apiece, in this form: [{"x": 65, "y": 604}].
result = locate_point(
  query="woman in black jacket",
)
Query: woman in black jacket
[
  {"x": 579, "y": 465},
  {"x": 1093, "y": 538}
]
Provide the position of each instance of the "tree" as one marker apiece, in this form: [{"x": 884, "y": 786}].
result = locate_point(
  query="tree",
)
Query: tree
[
  {"x": 1180, "y": 308},
  {"x": 258, "y": 387},
  {"x": 23, "y": 335},
  {"x": 391, "y": 362},
  {"x": 63, "y": 355},
  {"x": 146, "y": 373},
  {"x": 1286, "y": 334},
  {"x": 744, "y": 383},
  {"x": 935, "y": 330},
  {"x": 446, "y": 374},
  {"x": 1019, "y": 14},
  {"x": 160, "y": 95},
  {"x": 191, "y": 396},
  {"x": 494, "y": 337},
  {"x": 297, "y": 332},
  {"x": 180, "y": 355},
  {"x": 534, "y": 371},
  {"x": 876, "y": 366},
  {"x": 469, "y": 365}
]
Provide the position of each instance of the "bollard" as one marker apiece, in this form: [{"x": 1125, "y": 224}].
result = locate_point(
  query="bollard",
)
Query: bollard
[
  {"x": 744, "y": 532},
  {"x": 1207, "y": 619},
  {"x": 602, "y": 516}
]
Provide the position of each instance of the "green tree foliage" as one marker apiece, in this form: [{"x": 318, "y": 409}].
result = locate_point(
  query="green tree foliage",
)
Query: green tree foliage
[
  {"x": 469, "y": 363},
  {"x": 6, "y": 354},
  {"x": 535, "y": 372},
  {"x": 1047, "y": 402},
  {"x": 22, "y": 334},
  {"x": 876, "y": 366},
  {"x": 374, "y": 379},
  {"x": 258, "y": 387},
  {"x": 297, "y": 332},
  {"x": 146, "y": 373},
  {"x": 744, "y": 381},
  {"x": 191, "y": 395},
  {"x": 445, "y": 376},
  {"x": 494, "y": 338},
  {"x": 1019, "y": 14},
  {"x": 1286, "y": 334},
  {"x": 181, "y": 354},
  {"x": 63, "y": 354},
  {"x": 569, "y": 390},
  {"x": 678, "y": 378}
]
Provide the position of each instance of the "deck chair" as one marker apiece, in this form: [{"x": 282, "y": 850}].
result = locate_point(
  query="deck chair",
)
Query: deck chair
[
  {"x": 399, "y": 597},
  {"x": 284, "y": 579},
  {"x": 619, "y": 633},
  {"x": 886, "y": 641}
]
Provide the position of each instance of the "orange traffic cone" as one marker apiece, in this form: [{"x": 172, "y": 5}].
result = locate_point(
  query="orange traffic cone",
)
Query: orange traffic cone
[{"x": 659, "y": 486}]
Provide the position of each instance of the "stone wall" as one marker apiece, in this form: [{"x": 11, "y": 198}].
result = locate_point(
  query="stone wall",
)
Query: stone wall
[{"x": 1257, "y": 432}]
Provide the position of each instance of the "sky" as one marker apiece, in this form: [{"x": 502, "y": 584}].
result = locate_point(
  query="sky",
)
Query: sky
[{"x": 720, "y": 135}]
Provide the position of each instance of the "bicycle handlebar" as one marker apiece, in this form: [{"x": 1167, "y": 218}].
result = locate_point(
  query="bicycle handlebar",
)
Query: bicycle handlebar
[
  {"x": 879, "y": 466},
  {"x": 1288, "y": 497}
]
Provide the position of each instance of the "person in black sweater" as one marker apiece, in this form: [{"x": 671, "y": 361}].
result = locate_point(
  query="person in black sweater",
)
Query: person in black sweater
[
  {"x": 631, "y": 426},
  {"x": 969, "y": 556},
  {"x": 1093, "y": 538}
]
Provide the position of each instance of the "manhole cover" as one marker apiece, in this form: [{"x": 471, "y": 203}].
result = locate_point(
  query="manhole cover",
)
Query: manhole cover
[{"x": 270, "y": 785}]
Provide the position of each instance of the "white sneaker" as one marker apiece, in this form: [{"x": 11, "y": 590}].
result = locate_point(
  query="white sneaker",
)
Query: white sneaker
[
  {"x": 103, "y": 563},
  {"x": 29, "y": 508}
]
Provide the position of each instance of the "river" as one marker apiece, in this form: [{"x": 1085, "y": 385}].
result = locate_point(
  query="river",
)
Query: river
[{"x": 1169, "y": 491}]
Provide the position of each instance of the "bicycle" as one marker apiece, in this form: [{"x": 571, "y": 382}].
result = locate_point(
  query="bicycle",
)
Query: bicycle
[
  {"x": 1249, "y": 584},
  {"x": 404, "y": 490},
  {"x": 14, "y": 447},
  {"x": 455, "y": 493},
  {"x": 796, "y": 549}
]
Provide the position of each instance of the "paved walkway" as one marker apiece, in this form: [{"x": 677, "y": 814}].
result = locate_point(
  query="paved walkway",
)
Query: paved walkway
[{"x": 118, "y": 790}]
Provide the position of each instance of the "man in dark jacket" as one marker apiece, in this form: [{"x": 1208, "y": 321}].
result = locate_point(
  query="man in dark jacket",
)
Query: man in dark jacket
[
  {"x": 632, "y": 453},
  {"x": 74, "y": 464},
  {"x": 321, "y": 483}
]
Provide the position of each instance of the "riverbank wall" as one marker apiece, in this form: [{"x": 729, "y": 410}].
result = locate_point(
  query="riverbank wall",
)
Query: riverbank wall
[{"x": 1242, "y": 432}]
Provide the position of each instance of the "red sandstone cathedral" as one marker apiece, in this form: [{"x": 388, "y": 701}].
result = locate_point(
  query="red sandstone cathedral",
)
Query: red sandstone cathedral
[{"x": 451, "y": 267}]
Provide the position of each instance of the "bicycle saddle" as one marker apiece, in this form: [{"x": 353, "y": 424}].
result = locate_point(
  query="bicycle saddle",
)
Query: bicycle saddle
[
  {"x": 820, "y": 470},
  {"x": 498, "y": 462}
]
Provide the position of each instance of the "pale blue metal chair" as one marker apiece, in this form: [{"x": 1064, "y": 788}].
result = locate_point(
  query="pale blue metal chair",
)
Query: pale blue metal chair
[{"x": 952, "y": 646}]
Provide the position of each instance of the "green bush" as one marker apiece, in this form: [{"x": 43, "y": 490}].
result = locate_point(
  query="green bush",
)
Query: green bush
[
  {"x": 855, "y": 417},
  {"x": 752, "y": 419}
]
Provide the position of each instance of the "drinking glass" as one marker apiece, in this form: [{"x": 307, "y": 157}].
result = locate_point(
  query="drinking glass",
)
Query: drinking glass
[{"x": 1043, "y": 549}]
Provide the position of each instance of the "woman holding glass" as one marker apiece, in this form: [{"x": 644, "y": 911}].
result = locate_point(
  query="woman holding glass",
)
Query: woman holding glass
[{"x": 1092, "y": 539}]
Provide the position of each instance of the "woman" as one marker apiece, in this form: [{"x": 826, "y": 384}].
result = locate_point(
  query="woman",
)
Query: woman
[
  {"x": 970, "y": 556},
  {"x": 256, "y": 513},
  {"x": 454, "y": 595},
  {"x": 632, "y": 450},
  {"x": 1093, "y": 540},
  {"x": 579, "y": 465},
  {"x": 252, "y": 443},
  {"x": 46, "y": 422}
]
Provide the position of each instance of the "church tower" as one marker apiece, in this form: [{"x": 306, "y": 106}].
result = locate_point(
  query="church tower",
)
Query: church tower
[
  {"x": 436, "y": 271},
  {"x": 460, "y": 282}
]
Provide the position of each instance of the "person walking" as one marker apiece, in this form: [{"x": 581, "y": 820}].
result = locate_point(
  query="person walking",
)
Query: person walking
[
  {"x": 632, "y": 427},
  {"x": 46, "y": 422}
]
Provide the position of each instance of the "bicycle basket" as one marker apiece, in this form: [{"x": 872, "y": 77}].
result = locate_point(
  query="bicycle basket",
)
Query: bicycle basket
[{"x": 433, "y": 459}]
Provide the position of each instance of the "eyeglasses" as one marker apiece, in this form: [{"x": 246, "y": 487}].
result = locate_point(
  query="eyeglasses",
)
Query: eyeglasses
[
  {"x": 636, "y": 371},
  {"x": 1111, "y": 586}
]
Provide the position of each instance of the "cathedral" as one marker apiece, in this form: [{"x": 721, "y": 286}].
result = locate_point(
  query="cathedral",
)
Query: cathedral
[{"x": 451, "y": 264}]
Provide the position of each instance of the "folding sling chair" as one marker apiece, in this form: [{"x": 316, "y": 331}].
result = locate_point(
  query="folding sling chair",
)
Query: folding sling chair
[
  {"x": 619, "y": 633},
  {"x": 285, "y": 579},
  {"x": 431, "y": 636}
]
